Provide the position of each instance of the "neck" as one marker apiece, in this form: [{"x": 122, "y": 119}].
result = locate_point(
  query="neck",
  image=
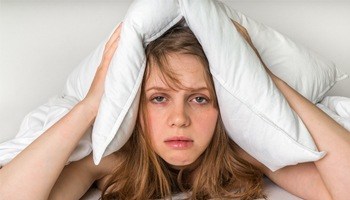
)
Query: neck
[{"x": 186, "y": 172}]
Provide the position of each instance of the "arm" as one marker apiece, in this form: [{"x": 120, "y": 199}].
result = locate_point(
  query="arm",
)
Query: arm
[
  {"x": 302, "y": 180},
  {"x": 77, "y": 177},
  {"x": 35, "y": 170},
  {"x": 333, "y": 170},
  {"x": 329, "y": 136}
]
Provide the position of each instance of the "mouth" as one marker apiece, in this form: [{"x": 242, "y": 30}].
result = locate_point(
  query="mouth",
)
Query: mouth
[{"x": 179, "y": 142}]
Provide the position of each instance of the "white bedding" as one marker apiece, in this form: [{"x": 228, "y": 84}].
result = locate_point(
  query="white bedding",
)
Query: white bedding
[{"x": 338, "y": 108}]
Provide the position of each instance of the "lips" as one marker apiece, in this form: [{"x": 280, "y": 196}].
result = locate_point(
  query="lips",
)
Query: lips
[{"x": 179, "y": 142}]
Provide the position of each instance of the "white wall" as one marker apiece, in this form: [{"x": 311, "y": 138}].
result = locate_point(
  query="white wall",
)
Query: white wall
[{"x": 42, "y": 41}]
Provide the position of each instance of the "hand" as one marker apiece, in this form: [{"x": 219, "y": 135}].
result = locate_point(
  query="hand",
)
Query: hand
[
  {"x": 94, "y": 95},
  {"x": 244, "y": 33}
]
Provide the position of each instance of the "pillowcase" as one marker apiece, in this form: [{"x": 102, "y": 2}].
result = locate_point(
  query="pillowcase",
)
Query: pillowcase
[
  {"x": 250, "y": 104},
  {"x": 245, "y": 92},
  {"x": 144, "y": 22}
]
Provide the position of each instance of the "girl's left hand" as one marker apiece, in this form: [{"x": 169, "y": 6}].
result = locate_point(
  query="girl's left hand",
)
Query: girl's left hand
[
  {"x": 94, "y": 95},
  {"x": 244, "y": 33}
]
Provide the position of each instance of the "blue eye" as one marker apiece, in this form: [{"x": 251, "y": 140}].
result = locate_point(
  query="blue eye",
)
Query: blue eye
[
  {"x": 201, "y": 100},
  {"x": 158, "y": 99}
]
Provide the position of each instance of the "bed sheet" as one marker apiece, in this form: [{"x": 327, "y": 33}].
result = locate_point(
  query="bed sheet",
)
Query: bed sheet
[{"x": 338, "y": 108}]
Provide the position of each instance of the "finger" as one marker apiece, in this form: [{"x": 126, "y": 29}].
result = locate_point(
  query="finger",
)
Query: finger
[
  {"x": 112, "y": 42},
  {"x": 114, "y": 36},
  {"x": 116, "y": 32},
  {"x": 108, "y": 55},
  {"x": 113, "y": 46}
]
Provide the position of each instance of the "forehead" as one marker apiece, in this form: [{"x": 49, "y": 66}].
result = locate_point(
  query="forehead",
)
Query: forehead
[{"x": 187, "y": 69}]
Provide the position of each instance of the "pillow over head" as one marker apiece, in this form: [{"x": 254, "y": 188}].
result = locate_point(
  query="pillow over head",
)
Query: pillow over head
[{"x": 245, "y": 92}]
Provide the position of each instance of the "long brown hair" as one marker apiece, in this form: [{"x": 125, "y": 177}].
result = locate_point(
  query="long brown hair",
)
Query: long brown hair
[{"x": 219, "y": 173}]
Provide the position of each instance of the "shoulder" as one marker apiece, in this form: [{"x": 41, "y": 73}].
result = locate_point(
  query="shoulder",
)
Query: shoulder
[{"x": 105, "y": 167}]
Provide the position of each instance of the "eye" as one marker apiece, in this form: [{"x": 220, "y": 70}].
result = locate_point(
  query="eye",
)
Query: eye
[
  {"x": 200, "y": 100},
  {"x": 158, "y": 99}
]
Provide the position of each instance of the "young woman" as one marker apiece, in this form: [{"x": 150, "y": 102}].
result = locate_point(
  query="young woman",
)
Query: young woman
[{"x": 179, "y": 143}]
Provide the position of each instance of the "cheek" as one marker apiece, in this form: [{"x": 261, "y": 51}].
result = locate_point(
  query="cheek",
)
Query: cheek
[
  {"x": 154, "y": 119},
  {"x": 155, "y": 124},
  {"x": 206, "y": 123}
]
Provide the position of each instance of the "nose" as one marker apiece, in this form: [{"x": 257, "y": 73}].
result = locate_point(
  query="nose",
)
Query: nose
[{"x": 179, "y": 116}]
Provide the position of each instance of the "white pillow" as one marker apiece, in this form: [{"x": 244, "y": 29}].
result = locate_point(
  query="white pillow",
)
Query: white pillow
[
  {"x": 144, "y": 22},
  {"x": 251, "y": 106},
  {"x": 239, "y": 77}
]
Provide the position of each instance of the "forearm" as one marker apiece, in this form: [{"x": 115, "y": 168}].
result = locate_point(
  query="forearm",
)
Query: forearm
[
  {"x": 32, "y": 173},
  {"x": 329, "y": 136}
]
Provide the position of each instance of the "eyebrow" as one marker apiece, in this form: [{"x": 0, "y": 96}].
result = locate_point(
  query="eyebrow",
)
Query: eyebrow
[{"x": 169, "y": 89}]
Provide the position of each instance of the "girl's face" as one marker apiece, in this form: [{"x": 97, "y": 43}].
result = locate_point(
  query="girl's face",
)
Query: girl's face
[{"x": 182, "y": 121}]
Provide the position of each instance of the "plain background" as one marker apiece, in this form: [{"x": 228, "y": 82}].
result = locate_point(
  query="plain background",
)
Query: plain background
[{"x": 41, "y": 42}]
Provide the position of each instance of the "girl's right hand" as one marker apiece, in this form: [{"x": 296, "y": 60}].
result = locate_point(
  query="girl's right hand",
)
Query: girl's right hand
[
  {"x": 94, "y": 95},
  {"x": 244, "y": 33}
]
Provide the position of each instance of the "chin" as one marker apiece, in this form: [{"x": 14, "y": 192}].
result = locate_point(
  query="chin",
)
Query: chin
[
  {"x": 179, "y": 159},
  {"x": 179, "y": 163}
]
